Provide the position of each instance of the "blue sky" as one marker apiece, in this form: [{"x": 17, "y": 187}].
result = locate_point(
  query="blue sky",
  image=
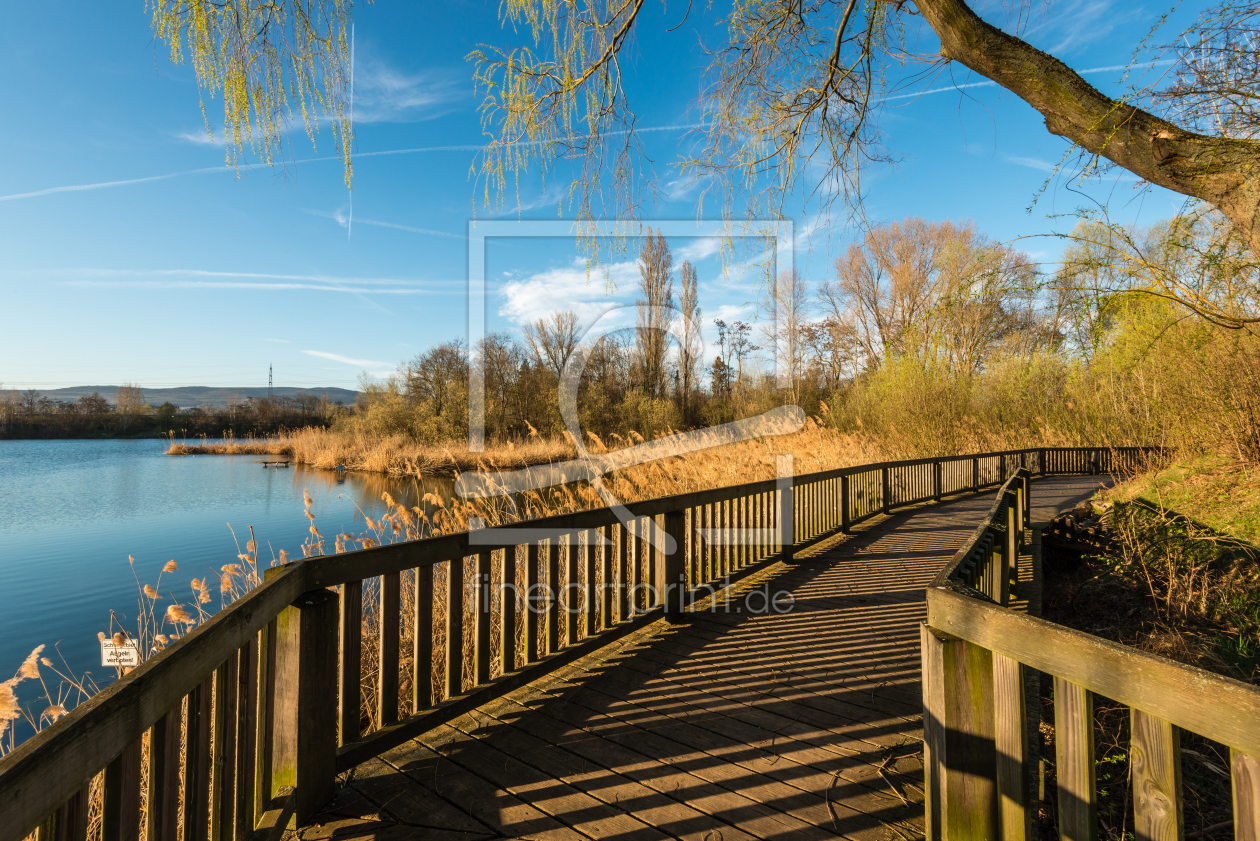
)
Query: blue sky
[{"x": 128, "y": 251}]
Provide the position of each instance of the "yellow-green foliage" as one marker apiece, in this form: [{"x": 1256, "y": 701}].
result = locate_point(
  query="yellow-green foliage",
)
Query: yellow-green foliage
[{"x": 1220, "y": 493}]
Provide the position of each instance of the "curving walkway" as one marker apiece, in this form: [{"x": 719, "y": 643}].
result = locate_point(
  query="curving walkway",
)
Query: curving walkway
[{"x": 803, "y": 725}]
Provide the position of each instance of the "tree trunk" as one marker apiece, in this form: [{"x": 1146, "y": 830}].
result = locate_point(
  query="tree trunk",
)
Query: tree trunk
[{"x": 1218, "y": 170}]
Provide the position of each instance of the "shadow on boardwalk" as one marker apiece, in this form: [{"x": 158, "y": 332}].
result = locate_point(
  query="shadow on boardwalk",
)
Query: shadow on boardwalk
[{"x": 803, "y": 725}]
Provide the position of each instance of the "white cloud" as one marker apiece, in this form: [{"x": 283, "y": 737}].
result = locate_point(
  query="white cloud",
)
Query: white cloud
[
  {"x": 699, "y": 248},
  {"x": 266, "y": 281},
  {"x": 527, "y": 299},
  {"x": 1031, "y": 163},
  {"x": 385, "y": 95},
  {"x": 346, "y": 360},
  {"x": 201, "y": 138}
]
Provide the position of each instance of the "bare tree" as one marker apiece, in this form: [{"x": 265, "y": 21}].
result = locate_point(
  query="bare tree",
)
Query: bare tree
[
  {"x": 551, "y": 340},
  {"x": 656, "y": 286},
  {"x": 128, "y": 402},
  {"x": 785, "y": 307},
  {"x": 690, "y": 346},
  {"x": 929, "y": 291}
]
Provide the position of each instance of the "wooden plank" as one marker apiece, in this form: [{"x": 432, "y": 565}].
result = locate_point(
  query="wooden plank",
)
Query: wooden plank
[
  {"x": 535, "y": 604},
  {"x": 1074, "y": 761},
  {"x": 1153, "y": 684},
  {"x": 575, "y": 595},
  {"x": 120, "y": 819},
  {"x": 374, "y": 744},
  {"x": 483, "y": 610},
  {"x": 455, "y": 627},
  {"x": 594, "y": 551},
  {"x": 350, "y": 662},
  {"x": 72, "y": 818},
  {"x": 265, "y": 739},
  {"x": 625, "y": 572},
  {"x": 1010, "y": 739},
  {"x": 162, "y": 814},
  {"x": 675, "y": 577},
  {"x": 247, "y": 741},
  {"x": 932, "y": 646},
  {"x": 223, "y": 752},
  {"x": 1155, "y": 778},
  {"x": 1245, "y": 779},
  {"x": 387, "y": 684},
  {"x": 196, "y": 801},
  {"x": 423, "y": 693},
  {"x": 304, "y": 754},
  {"x": 511, "y": 591},
  {"x": 554, "y": 585}
]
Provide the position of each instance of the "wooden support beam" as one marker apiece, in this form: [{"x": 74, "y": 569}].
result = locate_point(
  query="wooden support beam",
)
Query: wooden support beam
[
  {"x": 1010, "y": 736},
  {"x": 1074, "y": 761},
  {"x": 304, "y": 751},
  {"x": 162, "y": 816},
  {"x": 349, "y": 662},
  {"x": 674, "y": 589},
  {"x": 387, "y": 654},
  {"x": 1155, "y": 778},
  {"x": 1245, "y": 777},
  {"x": 121, "y": 812}
]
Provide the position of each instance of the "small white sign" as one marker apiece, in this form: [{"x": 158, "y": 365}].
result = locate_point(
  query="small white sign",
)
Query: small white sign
[{"x": 126, "y": 655}]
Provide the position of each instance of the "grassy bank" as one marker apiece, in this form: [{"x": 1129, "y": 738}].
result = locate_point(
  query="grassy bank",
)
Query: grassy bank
[{"x": 1180, "y": 579}]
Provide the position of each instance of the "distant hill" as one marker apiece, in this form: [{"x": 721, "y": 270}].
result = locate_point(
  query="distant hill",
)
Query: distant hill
[{"x": 199, "y": 395}]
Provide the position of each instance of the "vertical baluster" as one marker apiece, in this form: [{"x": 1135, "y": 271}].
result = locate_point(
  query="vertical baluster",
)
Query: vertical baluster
[
  {"x": 484, "y": 611},
  {"x": 455, "y": 627},
  {"x": 423, "y": 694},
  {"x": 594, "y": 552},
  {"x": 197, "y": 763},
  {"x": 72, "y": 818},
  {"x": 1012, "y": 748},
  {"x": 1074, "y": 750},
  {"x": 845, "y": 515},
  {"x": 624, "y": 571},
  {"x": 510, "y": 595},
  {"x": 162, "y": 817},
  {"x": 535, "y": 576},
  {"x": 673, "y": 592},
  {"x": 265, "y": 738},
  {"x": 1245, "y": 779},
  {"x": 387, "y": 684},
  {"x": 574, "y": 591},
  {"x": 222, "y": 802},
  {"x": 1155, "y": 778},
  {"x": 607, "y": 549},
  {"x": 121, "y": 819},
  {"x": 246, "y": 745},
  {"x": 349, "y": 662},
  {"x": 554, "y": 585},
  {"x": 884, "y": 490}
]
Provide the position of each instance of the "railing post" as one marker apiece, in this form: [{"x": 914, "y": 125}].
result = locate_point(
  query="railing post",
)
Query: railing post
[
  {"x": 975, "y": 474},
  {"x": 784, "y": 466},
  {"x": 1041, "y": 461},
  {"x": 674, "y": 590},
  {"x": 1245, "y": 775},
  {"x": 1074, "y": 760},
  {"x": 1155, "y": 769},
  {"x": 959, "y": 758},
  {"x": 844, "y": 504},
  {"x": 304, "y": 752},
  {"x": 936, "y": 480},
  {"x": 1014, "y": 759},
  {"x": 884, "y": 493}
]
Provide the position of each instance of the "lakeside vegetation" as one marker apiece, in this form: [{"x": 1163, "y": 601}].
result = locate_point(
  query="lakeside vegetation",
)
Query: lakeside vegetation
[{"x": 29, "y": 414}]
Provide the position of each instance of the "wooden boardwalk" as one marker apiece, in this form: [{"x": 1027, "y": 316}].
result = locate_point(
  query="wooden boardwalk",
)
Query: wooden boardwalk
[{"x": 728, "y": 726}]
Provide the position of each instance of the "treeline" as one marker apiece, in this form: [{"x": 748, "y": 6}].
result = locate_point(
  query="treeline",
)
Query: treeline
[
  {"x": 29, "y": 414},
  {"x": 930, "y": 336}
]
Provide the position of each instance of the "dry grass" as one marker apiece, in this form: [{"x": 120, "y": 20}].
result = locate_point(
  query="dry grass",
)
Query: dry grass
[{"x": 816, "y": 448}]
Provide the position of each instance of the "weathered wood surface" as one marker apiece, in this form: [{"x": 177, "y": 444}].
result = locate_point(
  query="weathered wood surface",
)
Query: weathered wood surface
[{"x": 721, "y": 726}]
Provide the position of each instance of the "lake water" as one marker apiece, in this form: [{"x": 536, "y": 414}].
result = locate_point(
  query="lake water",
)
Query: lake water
[{"x": 71, "y": 512}]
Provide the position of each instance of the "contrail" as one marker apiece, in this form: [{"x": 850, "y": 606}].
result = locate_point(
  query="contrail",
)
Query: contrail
[{"x": 74, "y": 188}]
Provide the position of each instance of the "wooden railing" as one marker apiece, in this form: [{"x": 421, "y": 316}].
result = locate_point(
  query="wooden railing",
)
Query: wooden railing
[
  {"x": 978, "y": 659},
  {"x": 237, "y": 726}
]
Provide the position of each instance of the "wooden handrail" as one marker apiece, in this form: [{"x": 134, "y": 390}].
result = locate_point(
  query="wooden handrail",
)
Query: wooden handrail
[
  {"x": 977, "y": 658},
  {"x": 222, "y": 677}
]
